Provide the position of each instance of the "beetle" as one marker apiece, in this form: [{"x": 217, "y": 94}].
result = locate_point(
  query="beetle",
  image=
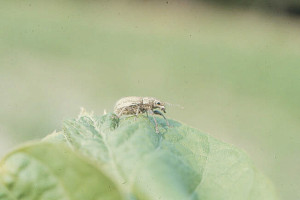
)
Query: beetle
[{"x": 138, "y": 105}]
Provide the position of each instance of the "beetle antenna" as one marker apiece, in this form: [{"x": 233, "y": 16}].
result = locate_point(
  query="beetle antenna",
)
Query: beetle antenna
[{"x": 177, "y": 105}]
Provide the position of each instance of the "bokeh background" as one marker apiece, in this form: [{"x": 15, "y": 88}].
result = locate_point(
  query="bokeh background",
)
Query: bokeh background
[{"x": 233, "y": 65}]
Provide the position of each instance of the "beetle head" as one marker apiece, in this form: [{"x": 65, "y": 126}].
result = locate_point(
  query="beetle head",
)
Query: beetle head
[{"x": 160, "y": 105}]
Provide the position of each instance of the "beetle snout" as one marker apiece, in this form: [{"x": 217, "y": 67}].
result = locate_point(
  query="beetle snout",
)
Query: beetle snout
[{"x": 163, "y": 109}]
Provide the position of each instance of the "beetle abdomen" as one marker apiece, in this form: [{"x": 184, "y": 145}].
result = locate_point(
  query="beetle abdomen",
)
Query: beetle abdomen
[
  {"x": 130, "y": 110},
  {"x": 128, "y": 106}
]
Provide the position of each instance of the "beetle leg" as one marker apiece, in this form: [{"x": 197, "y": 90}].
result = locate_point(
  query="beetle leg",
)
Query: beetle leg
[
  {"x": 120, "y": 114},
  {"x": 157, "y": 112},
  {"x": 137, "y": 112},
  {"x": 156, "y": 126}
]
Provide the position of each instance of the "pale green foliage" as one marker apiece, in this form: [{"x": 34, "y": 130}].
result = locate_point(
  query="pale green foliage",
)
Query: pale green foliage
[
  {"x": 179, "y": 163},
  {"x": 52, "y": 172}
]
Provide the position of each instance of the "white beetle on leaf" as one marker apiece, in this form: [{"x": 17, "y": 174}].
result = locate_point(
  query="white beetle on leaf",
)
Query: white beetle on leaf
[{"x": 139, "y": 105}]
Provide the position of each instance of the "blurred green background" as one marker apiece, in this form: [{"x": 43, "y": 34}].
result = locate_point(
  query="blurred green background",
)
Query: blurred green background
[{"x": 235, "y": 71}]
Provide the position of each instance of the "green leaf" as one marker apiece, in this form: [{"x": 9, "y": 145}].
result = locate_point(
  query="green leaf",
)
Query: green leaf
[
  {"x": 47, "y": 171},
  {"x": 178, "y": 163}
]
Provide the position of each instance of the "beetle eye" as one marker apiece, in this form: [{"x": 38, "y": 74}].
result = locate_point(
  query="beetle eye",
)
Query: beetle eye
[{"x": 158, "y": 103}]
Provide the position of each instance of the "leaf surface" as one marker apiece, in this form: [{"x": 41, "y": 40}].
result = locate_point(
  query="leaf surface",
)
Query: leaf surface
[
  {"x": 179, "y": 163},
  {"x": 47, "y": 171}
]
